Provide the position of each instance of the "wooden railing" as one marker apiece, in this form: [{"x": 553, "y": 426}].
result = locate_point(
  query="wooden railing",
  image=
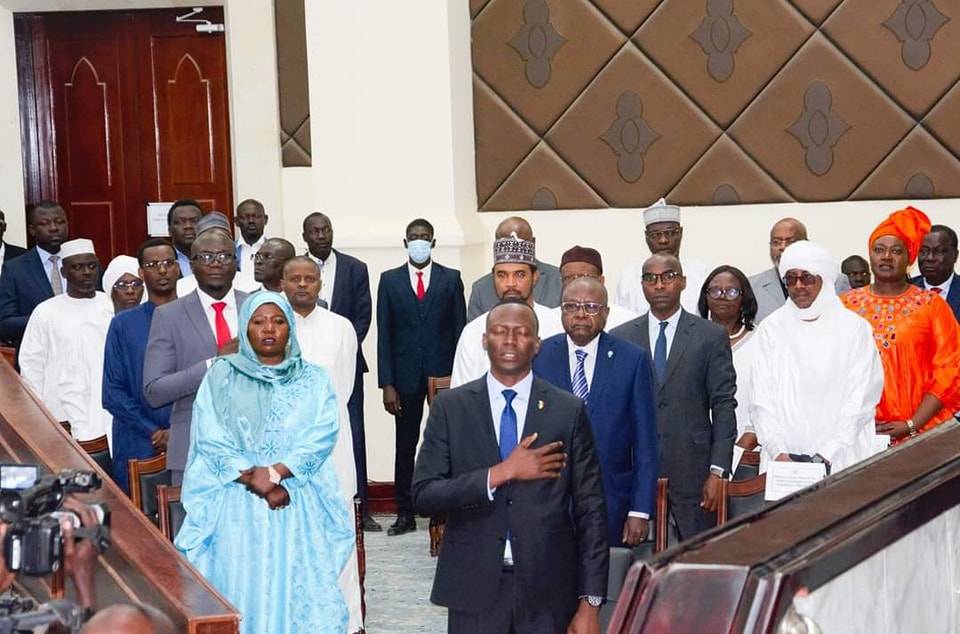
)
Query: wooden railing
[
  {"x": 743, "y": 576},
  {"x": 140, "y": 565}
]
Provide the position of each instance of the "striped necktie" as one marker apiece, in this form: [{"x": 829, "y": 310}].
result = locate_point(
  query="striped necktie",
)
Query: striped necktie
[{"x": 580, "y": 387}]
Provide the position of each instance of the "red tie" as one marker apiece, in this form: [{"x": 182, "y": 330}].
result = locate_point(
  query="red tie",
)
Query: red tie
[
  {"x": 223, "y": 330},
  {"x": 936, "y": 290},
  {"x": 421, "y": 291}
]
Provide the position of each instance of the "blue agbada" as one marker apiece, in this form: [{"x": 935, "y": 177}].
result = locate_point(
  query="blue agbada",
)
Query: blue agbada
[
  {"x": 278, "y": 567},
  {"x": 134, "y": 421}
]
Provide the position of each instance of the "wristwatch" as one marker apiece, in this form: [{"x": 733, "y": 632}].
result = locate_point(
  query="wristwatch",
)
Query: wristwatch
[
  {"x": 274, "y": 475},
  {"x": 720, "y": 472},
  {"x": 594, "y": 602},
  {"x": 911, "y": 427}
]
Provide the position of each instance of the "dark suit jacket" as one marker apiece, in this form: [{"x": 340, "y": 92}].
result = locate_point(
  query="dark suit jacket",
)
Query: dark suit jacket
[
  {"x": 23, "y": 285},
  {"x": 952, "y": 298},
  {"x": 351, "y": 299},
  {"x": 180, "y": 343},
  {"x": 12, "y": 251},
  {"x": 557, "y": 527},
  {"x": 547, "y": 292},
  {"x": 623, "y": 419},
  {"x": 417, "y": 339},
  {"x": 699, "y": 386}
]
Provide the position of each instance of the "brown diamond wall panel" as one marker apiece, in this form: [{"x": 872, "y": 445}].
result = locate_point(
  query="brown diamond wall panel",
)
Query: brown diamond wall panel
[{"x": 714, "y": 101}]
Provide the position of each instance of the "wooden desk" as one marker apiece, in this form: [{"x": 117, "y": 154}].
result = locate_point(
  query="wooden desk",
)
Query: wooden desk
[{"x": 141, "y": 565}]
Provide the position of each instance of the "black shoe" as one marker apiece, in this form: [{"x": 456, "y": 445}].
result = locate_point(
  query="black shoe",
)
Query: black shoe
[
  {"x": 402, "y": 525},
  {"x": 370, "y": 525}
]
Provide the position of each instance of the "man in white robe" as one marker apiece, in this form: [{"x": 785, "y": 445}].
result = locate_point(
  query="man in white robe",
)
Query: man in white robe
[
  {"x": 53, "y": 328},
  {"x": 329, "y": 340},
  {"x": 664, "y": 234},
  {"x": 514, "y": 275},
  {"x": 817, "y": 375},
  {"x": 81, "y": 380}
]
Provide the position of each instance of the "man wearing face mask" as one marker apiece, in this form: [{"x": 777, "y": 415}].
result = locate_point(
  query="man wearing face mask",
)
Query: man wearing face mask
[{"x": 420, "y": 313}]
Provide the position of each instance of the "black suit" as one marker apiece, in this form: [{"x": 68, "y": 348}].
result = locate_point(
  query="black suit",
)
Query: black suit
[
  {"x": 12, "y": 251},
  {"x": 699, "y": 386},
  {"x": 415, "y": 339},
  {"x": 23, "y": 285},
  {"x": 557, "y": 527},
  {"x": 351, "y": 299}
]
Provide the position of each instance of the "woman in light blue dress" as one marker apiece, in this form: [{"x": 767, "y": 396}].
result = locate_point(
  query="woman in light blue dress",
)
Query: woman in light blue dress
[{"x": 265, "y": 521}]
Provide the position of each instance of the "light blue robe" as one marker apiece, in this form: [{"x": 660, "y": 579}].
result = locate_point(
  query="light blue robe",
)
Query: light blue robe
[{"x": 278, "y": 567}]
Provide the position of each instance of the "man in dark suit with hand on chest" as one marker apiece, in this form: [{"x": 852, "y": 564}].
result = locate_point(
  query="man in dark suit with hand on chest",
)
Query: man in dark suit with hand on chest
[{"x": 511, "y": 459}]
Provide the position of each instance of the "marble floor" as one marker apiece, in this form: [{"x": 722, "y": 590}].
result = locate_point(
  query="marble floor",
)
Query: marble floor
[{"x": 399, "y": 577}]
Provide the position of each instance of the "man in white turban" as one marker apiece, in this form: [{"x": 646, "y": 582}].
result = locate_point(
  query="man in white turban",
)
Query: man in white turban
[
  {"x": 81, "y": 380},
  {"x": 817, "y": 377}
]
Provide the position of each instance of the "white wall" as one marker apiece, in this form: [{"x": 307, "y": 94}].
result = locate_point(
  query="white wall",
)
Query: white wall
[{"x": 11, "y": 163}]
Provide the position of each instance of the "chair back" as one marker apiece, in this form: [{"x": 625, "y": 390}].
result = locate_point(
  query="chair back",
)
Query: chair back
[
  {"x": 620, "y": 561},
  {"x": 99, "y": 450},
  {"x": 435, "y": 385},
  {"x": 749, "y": 466},
  {"x": 740, "y": 497},
  {"x": 144, "y": 476},
  {"x": 170, "y": 512},
  {"x": 9, "y": 355}
]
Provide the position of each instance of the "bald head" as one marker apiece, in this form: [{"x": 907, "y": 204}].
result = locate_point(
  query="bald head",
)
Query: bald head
[
  {"x": 590, "y": 285},
  {"x": 129, "y": 619},
  {"x": 783, "y": 234},
  {"x": 515, "y": 224},
  {"x": 211, "y": 239},
  {"x": 664, "y": 260}
]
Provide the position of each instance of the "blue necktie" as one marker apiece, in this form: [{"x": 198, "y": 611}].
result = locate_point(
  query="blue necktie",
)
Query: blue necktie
[
  {"x": 580, "y": 387},
  {"x": 660, "y": 352},
  {"x": 508, "y": 425}
]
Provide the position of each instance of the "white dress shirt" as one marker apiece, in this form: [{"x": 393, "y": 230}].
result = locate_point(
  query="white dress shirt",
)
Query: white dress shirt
[
  {"x": 654, "y": 330},
  {"x": 244, "y": 280},
  {"x": 328, "y": 275},
  {"x": 589, "y": 362},
  {"x": 497, "y": 402},
  {"x": 48, "y": 266},
  {"x": 944, "y": 288},
  {"x": 426, "y": 276},
  {"x": 229, "y": 312}
]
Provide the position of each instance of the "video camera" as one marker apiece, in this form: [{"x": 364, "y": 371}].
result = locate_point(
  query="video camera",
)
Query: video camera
[{"x": 34, "y": 542}]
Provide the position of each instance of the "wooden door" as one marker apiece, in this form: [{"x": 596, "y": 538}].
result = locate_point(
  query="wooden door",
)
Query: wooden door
[{"x": 129, "y": 107}]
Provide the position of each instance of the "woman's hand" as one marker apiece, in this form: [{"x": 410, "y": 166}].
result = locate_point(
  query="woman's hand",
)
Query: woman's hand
[
  {"x": 278, "y": 498},
  {"x": 896, "y": 430},
  {"x": 260, "y": 482}
]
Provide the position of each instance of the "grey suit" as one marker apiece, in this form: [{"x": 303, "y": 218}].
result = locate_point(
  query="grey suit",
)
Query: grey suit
[
  {"x": 699, "y": 386},
  {"x": 547, "y": 292},
  {"x": 180, "y": 344},
  {"x": 766, "y": 286}
]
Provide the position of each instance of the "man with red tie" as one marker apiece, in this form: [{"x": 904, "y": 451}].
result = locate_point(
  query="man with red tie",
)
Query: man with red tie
[
  {"x": 187, "y": 334},
  {"x": 420, "y": 313}
]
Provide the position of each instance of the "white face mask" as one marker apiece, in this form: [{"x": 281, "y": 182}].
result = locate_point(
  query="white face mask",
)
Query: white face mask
[{"x": 419, "y": 250}]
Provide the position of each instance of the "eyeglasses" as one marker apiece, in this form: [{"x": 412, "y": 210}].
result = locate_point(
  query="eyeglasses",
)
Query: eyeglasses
[
  {"x": 808, "y": 279},
  {"x": 135, "y": 284},
  {"x": 159, "y": 263},
  {"x": 667, "y": 277},
  {"x": 590, "y": 308},
  {"x": 263, "y": 257},
  {"x": 730, "y": 293},
  {"x": 206, "y": 259},
  {"x": 783, "y": 242},
  {"x": 668, "y": 233}
]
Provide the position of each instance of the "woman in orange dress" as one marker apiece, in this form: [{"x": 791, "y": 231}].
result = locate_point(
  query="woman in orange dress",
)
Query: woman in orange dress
[{"x": 914, "y": 329}]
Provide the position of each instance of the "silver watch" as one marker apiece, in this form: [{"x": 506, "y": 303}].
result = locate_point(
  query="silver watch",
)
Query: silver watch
[{"x": 595, "y": 602}]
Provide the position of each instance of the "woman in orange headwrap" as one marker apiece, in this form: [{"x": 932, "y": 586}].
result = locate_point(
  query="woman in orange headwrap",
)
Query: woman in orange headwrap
[{"x": 915, "y": 331}]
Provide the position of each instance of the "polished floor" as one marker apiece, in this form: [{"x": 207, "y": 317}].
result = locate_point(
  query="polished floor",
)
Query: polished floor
[{"x": 399, "y": 577}]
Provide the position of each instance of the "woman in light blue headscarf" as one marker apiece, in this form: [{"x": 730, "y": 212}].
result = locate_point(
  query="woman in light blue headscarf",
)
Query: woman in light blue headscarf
[{"x": 266, "y": 523}]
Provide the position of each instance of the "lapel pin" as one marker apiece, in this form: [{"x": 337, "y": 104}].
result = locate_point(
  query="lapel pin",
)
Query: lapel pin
[
  {"x": 609, "y": 354},
  {"x": 540, "y": 404}
]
